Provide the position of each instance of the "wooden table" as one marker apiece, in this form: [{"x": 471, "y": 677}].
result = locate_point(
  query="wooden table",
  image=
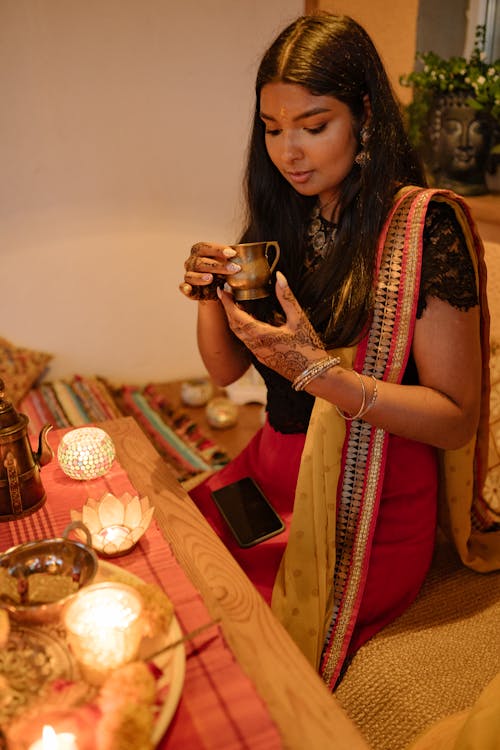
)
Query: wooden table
[{"x": 306, "y": 713}]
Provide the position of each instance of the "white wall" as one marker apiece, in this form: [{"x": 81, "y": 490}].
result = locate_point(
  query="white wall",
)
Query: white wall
[{"x": 122, "y": 139}]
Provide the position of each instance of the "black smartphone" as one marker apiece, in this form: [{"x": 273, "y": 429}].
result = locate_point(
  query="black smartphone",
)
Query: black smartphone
[{"x": 248, "y": 513}]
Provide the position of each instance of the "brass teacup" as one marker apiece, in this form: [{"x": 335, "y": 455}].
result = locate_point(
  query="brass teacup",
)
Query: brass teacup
[{"x": 253, "y": 281}]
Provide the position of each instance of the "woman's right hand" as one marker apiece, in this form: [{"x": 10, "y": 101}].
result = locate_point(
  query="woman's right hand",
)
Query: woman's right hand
[{"x": 206, "y": 270}]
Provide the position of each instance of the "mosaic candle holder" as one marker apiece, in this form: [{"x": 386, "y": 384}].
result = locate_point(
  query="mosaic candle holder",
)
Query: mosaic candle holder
[{"x": 86, "y": 453}]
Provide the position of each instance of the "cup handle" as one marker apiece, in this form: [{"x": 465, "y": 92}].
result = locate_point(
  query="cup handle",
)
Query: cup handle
[
  {"x": 277, "y": 255},
  {"x": 78, "y": 525}
]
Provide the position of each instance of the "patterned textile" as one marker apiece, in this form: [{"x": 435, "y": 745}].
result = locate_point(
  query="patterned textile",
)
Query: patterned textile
[
  {"x": 20, "y": 368},
  {"x": 85, "y": 400},
  {"x": 176, "y": 437},
  {"x": 491, "y": 489},
  {"x": 325, "y": 586}
]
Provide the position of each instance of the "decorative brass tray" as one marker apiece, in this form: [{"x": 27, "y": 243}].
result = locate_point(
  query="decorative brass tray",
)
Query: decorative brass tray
[
  {"x": 32, "y": 657},
  {"x": 36, "y": 655}
]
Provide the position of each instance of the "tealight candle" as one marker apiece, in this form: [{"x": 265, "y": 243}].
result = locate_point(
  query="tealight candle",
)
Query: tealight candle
[
  {"x": 196, "y": 392},
  {"x": 115, "y": 534},
  {"x": 104, "y": 628},
  {"x": 51, "y": 740},
  {"x": 221, "y": 412}
]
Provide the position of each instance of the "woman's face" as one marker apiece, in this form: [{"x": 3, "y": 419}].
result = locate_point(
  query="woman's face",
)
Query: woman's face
[{"x": 309, "y": 138}]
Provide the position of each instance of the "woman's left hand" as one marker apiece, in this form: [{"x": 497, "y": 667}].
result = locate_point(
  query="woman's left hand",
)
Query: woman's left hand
[{"x": 288, "y": 349}]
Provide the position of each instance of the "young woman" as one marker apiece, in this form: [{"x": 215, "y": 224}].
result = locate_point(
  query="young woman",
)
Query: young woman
[{"x": 373, "y": 348}]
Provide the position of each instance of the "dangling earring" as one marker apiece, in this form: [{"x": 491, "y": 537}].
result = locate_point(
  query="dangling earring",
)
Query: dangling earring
[{"x": 363, "y": 157}]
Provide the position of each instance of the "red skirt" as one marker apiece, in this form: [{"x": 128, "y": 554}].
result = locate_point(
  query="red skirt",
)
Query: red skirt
[{"x": 404, "y": 536}]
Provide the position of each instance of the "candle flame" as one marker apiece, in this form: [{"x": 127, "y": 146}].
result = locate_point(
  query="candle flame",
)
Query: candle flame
[
  {"x": 49, "y": 738},
  {"x": 53, "y": 741}
]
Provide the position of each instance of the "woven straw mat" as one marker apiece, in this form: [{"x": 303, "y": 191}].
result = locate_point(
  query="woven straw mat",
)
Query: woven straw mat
[{"x": 432, "y": 661}]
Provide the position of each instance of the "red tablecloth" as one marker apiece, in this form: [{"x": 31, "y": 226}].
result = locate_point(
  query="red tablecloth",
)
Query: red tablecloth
[{"x": 219, "y": 707}]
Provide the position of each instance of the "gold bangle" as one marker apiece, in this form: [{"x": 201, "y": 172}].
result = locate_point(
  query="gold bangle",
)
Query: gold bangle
[
  {"x": 362, "y": 408},
  {"x": 374, "y": 396},
  {"x": 313, "y": 370}
]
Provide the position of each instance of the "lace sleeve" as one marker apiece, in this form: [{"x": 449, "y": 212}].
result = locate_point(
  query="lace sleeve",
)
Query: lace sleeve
[{"x": 447, "y": 270}]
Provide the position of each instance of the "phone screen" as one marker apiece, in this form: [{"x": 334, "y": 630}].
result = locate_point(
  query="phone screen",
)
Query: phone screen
[{"x": 247, "y": 512}]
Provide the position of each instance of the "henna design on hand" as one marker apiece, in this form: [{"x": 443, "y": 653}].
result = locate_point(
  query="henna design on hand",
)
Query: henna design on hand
[
  {"x": 287, "y": 348},
  {"x": 304, "y": 335},
  {"x": 305, "y": 331},
  {"x": 288, "y": 364}
]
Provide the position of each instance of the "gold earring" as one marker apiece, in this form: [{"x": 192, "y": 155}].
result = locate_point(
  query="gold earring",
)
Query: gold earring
[{"x": 363, "y": 156}]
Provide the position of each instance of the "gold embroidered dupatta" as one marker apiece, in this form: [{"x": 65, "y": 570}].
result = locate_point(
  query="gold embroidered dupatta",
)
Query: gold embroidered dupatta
[{"x": 321, "y": 578}]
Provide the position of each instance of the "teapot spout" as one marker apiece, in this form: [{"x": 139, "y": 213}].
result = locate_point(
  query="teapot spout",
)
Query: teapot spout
[{"x": 44, "y": 453}]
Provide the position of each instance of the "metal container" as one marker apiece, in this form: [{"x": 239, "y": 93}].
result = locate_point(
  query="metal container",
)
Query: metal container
[
  {"x": 37, "y": 579},
  {"x": 21, "y": 489}
]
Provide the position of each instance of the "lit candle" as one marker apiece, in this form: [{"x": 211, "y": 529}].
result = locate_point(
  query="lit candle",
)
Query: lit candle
[
  {"x": 104, "y": 628},
  {"x": 51, "y": 740},
  {"x": 115, "y": 534}
]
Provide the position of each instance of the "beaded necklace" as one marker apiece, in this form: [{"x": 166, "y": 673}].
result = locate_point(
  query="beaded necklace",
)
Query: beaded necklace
[{"x": 321, "y": 235}]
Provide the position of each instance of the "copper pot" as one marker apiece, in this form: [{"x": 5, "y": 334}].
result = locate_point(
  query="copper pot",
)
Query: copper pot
[{"x": 21, "y": 489}]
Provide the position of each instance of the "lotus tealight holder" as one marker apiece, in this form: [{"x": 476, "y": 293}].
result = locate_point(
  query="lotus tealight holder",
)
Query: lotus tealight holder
[
  {"x": 115, "y": 523},
  {"x": 86, "y": 453}
]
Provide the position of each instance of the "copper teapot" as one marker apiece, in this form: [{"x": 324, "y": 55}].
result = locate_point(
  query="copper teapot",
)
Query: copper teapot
[{"x": 21, "y": 489}]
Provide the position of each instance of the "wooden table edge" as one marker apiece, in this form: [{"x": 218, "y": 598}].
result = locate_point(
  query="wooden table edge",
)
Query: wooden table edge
[{"x": 304, "y": 710}]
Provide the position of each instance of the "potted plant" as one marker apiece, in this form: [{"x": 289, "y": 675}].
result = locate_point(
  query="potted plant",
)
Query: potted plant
[{"x": 454, "y": 116}]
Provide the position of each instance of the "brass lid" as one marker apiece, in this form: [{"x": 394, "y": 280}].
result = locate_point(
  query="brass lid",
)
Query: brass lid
[{"x": 8, "y": 415}]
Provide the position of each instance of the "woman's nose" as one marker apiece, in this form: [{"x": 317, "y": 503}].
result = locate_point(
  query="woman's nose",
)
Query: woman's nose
[{"x": 291, "y": 148}]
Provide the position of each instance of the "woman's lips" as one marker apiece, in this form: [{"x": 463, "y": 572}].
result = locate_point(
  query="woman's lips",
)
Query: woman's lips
[{"x": 299, "y": 177}]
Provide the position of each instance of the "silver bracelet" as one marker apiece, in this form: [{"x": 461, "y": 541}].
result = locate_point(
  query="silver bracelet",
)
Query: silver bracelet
[
  {"x": 374, "y": 396},
  {"x": 362, "y": 408},
  {"x": 313, "y": 370}
]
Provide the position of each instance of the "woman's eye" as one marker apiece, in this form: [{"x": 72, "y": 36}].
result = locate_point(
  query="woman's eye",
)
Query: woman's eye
[
  {"x": 315, "y": 131},
  {"x": 272, "y": 131}
]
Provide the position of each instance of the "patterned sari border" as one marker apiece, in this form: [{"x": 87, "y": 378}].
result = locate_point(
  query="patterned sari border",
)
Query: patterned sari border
[{"x": 384, "y": 354}]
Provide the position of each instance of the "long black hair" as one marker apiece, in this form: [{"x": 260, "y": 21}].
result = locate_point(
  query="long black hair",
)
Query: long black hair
[{"x": 331, "y": 55}]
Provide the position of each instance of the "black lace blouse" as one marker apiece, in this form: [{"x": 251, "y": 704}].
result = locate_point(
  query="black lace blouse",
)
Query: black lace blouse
[{"x": 447, "y": 273}]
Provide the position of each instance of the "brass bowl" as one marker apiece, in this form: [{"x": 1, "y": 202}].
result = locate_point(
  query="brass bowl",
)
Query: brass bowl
[{"x": 37, "y": 579}]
